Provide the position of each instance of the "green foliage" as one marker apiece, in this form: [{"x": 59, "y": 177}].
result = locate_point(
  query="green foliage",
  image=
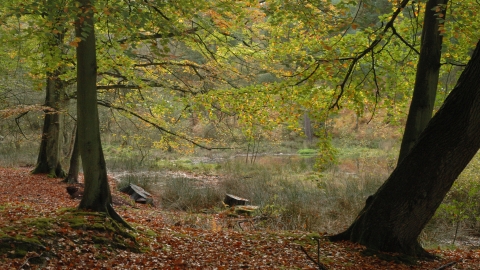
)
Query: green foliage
[
  {"x": 307, "y": 152},
  {"x": 462, "y": 203}
]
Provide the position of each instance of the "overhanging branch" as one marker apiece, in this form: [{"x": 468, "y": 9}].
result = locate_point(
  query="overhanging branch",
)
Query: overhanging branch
[
  {"x": 370, "y": 48},
  {"x": 160, "y": 128}
]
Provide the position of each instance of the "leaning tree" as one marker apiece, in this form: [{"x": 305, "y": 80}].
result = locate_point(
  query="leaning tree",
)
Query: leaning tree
[{"x": 395, "y": 215}]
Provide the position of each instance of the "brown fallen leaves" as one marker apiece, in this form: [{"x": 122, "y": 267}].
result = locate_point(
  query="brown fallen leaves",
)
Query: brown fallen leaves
[{"x": 33, "y": 211}]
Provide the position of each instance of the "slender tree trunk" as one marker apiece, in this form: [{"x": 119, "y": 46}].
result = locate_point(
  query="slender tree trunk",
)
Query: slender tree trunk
[
  {"x": 426, "y": 80},
  {"x": 307, "y": 128},
  {"x": 48, "y": 160},
  {"x": 97, "y": 191},
  {"x": 96, "y": 196},
  {"x": 395, "y": 215},
  {"x": 72, "y": 176}
]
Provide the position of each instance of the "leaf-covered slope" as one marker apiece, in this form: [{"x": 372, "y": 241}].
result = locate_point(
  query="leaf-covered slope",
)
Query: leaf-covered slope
[{"x": 40, "y": 229}]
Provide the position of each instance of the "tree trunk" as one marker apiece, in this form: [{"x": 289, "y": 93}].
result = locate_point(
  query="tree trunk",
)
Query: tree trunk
[
  {"x": 307, "y": 128},
  {"x": 48, "y": 160},
  {"x": 96, "y": 196},
  {"x": 97, "y": 191},
  {"x": 426, "y": 80},
  {"x": 72, "y": 176},
  {"x": 49, "y": 155},
  {"x": 395, "y": 215}
]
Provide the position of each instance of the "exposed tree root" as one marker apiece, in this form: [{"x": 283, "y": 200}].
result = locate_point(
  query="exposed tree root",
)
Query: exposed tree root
[{"x": 116, "y": 217}]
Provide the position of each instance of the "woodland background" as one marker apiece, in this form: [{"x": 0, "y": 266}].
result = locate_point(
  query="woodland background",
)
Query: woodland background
[{"x": 285, "y": 103}]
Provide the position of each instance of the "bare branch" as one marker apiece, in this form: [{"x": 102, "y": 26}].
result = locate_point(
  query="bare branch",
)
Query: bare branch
[
  {"x": 155, "y": 36},
  {"x": 404, "y": 41},
  {"x": 17, "y": 121},
  {"x": 445, "y": 266},
  {"x": 109, "y": 105},
  {"x": 156, "y": 9},
  {"x": 118, "y": 86},
  {"x": 360, "y": 55},
  {"x": 309, "y": 75},
  {"x": 320, "y": 265}
]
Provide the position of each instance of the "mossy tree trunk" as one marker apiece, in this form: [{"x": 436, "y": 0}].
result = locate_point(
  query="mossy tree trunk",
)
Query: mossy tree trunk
[
  {"x": 426, "y": 79},
  {"x": 395, "y": 215}
]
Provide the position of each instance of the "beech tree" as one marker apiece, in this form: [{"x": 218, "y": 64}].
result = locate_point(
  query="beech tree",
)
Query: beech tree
[
  {"x": 47, "y": 62},
  {"x": 49, "y": 155},
  {"x": 97, "y": 196},
  {"x": 50, "y": 147},
  {"x": 394, "y": 216}
]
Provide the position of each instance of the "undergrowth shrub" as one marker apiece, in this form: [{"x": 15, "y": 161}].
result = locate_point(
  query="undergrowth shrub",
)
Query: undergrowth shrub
[
  {"x": 143, "y": 180},
  {"x": 189, "y": 195},
  {"x": 25, "y": 155},
  {"x": 287, "y": 199},
  {"x": 459, "y": 212}
]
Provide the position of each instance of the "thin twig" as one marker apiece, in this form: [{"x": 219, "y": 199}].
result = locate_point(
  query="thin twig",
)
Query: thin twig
[
  {"x": 132, "y": 113},
  {"x": 26, "y": 261},
  {"x": 320, "y": 265},
  {"x": 445, "y": 266},
  {"x": 17, "y": 121},
  {"x": 370, "y": 48}
]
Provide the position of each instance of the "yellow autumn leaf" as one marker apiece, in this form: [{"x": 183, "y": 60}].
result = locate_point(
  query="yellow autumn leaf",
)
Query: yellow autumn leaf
[{"x": 75, "y": 42}]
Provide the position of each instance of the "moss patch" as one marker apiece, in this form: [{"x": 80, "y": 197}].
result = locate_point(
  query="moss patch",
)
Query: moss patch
[
  {"x": 19, "y": 246},
  {"x": 102, "y": 230}
]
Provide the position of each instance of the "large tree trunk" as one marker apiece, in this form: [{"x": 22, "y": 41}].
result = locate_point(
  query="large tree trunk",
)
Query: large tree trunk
[
  {"x": 97, "y": 191},
  {"x": 48, "y": 160},
  {"x": 426, "y": 80},
  {"x": 395, "y": 215}
]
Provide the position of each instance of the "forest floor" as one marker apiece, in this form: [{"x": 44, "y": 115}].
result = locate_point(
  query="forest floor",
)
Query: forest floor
[{"x": 41, "y": 229}]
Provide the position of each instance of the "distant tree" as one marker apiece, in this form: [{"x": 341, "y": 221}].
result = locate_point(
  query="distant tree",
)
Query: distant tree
[
  {"x": 46, "y": 62},
  {"x": 72, "y": 175},
  {"x": 49, "y": 155}
]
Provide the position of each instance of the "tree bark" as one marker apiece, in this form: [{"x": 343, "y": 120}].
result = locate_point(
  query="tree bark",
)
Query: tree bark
[
  {"x": 395, "y": 215},
  {"x": 72, "y": 176},
  {"x": 97, "y": 196},
  {"x": 48, "y": 160},
  {"x": 97, "y": 191},
  {"x": 49, "y": 155},
  {"x": 426, "y": 80},
  {"x": 307, "y": 128}
]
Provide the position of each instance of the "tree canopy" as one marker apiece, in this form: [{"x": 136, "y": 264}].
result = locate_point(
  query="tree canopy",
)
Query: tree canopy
[{"x": 216, "y": 74}]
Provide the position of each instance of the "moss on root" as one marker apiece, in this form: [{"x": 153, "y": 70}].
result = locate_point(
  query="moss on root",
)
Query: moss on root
[
  {"x": 19, "y": 246},
  {"x": 106, "y": 231},
  {"x": 36, "y": 234}
]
